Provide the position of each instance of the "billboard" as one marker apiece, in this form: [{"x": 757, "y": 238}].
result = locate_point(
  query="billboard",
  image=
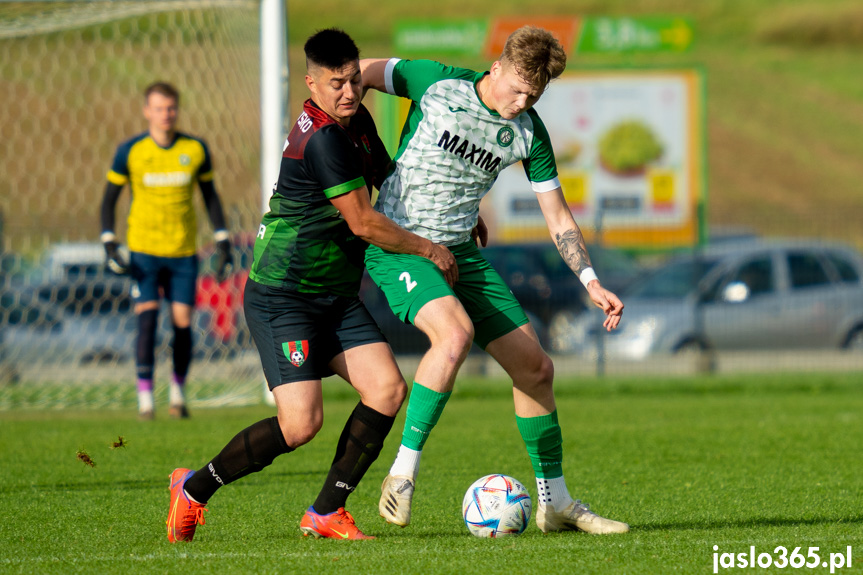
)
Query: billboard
[
  {"x": 629, "y": 151},
  {"x": 578, "y": 35}
]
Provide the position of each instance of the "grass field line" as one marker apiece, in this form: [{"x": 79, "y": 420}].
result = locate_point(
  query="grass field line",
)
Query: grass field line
[
  {"x": 150, "y": 557},
  {"x": 322, "y": 548}
]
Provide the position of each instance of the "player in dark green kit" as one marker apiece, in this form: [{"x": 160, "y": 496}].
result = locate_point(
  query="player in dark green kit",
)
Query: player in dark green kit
[{"x": 301, "y": 300}]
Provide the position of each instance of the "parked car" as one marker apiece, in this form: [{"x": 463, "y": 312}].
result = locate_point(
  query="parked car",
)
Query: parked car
[
  {"x": 547, "y": 289},
  {"x": 21, "y": 313},
  {"x": 71, "y": 310},
  {"x": 782, "y": 294}
]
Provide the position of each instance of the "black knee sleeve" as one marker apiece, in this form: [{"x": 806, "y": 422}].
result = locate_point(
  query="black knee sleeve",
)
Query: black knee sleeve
[
  {"x": 359, "y": 446},
  {"x": 249, "y": 451},
  {"x": 253, "y": 449},
  {"x": 263, "y": 444},
  {"x": 367, "y": 429}
]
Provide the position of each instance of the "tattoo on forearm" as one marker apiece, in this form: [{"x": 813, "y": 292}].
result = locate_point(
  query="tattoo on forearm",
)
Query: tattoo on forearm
[{"x": 571, "y": 246}]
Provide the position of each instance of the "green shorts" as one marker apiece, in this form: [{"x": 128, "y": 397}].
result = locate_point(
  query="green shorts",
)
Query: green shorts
[{"x": 410, "y": 282}]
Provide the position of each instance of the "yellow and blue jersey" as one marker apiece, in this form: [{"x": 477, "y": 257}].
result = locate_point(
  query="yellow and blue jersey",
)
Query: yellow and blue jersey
[{"x": 162, "y": 218}]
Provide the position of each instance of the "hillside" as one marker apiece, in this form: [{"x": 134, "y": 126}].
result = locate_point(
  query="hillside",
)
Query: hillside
[{"x": 784, "y": 95}]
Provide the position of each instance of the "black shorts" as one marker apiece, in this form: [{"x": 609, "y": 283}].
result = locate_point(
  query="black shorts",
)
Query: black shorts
[
  {"x": 298, "y": 334},
  {"x": 176, "y": 277}
]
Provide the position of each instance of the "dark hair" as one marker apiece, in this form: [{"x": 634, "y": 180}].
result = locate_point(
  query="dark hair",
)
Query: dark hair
[
  {"x": 331, "y": 48},
  {"x": 162, "y": 88}
]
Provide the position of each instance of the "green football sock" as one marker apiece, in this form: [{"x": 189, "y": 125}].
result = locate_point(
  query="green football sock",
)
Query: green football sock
[
  {"x": 544, "y": 444},
  {"x": 424, "y": 409}
]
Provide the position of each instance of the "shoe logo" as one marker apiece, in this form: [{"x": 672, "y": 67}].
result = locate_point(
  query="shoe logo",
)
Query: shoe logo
[
  {"x": 403, "y": 487},
  {"x": 342, "y": 535},
  {"x": 454, "y": 110},
  {"x": 172, "y": 520}
]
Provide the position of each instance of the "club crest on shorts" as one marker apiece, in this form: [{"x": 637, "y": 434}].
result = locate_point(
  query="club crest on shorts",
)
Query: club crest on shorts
[{"x": 296, "y": 351}]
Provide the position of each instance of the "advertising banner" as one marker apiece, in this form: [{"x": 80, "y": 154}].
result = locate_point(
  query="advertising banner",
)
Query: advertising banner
[{"x": 629, "y": 151}]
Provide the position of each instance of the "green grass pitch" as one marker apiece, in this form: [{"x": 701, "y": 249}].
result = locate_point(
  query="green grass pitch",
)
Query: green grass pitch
[{"x": 690, "y": 463}]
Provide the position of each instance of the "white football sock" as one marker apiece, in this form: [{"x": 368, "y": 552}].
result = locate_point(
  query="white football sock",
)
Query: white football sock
[
  {"x": 177, "y": 396},
  {"x": 553, "y": 492},
  {"x": 192, "y": 499},
  {"x": 407, "y": 462},
  {"x": 145, "y": 401}
]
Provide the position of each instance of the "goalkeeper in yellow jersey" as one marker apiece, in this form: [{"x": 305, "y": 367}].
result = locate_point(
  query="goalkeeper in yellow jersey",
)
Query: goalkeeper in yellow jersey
[{"x": 161, "y": 167}]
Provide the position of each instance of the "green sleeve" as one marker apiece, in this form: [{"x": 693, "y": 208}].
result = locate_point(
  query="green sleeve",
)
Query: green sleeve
[
  {"x": 540, "y": 166},
  {"x": 411, "y": 78}
]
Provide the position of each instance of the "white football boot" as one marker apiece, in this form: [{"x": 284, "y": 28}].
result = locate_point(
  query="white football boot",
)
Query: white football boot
[
  {"x": 576, "y": 517},
  {"x": 397, "y": 492}
]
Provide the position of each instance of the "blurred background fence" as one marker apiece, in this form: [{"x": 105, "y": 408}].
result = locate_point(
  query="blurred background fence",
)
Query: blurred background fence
[
  {"x": 72, "y": 78},
  {"x": 766, "y": 278}
]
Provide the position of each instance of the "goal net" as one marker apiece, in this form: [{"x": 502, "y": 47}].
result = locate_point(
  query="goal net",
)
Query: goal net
[{"x": 72, "y": 75}]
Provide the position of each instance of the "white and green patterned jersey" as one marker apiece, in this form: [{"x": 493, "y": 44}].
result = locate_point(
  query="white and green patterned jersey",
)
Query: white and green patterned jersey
[{"x": 452, "y": 149}]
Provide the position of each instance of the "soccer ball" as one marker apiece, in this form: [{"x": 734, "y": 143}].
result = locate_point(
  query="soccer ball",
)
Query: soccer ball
[{"x": 496, "y": 506}]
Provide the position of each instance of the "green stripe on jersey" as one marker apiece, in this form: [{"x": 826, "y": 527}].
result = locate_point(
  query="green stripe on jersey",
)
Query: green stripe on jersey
[{"x": 345, "y": 188}]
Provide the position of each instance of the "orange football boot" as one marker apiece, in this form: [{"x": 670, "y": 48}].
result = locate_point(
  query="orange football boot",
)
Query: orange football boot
[
  {"x": 184, "y": 515},
  {"x": 336, "y": 525}
]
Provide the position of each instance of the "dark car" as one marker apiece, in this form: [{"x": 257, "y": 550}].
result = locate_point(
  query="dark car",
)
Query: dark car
[{"x": 545, "y": 286}]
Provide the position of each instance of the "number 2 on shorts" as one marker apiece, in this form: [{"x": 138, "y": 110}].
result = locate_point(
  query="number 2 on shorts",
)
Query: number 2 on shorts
[{"x": 406, "y": 277}]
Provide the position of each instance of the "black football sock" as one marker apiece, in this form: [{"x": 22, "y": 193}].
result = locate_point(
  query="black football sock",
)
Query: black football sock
[
  {"x": 145, "y": 345},
  {"x": 249, "y": 451},
  {"x": 359, "y": 445},
  {"x": 182, "y": 351}
]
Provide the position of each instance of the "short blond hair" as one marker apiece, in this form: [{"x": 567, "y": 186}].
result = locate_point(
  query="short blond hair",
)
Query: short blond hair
[{"x": 536, "y": 55}]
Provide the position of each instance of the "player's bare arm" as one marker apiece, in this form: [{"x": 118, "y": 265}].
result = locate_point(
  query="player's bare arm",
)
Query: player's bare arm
[
  {"x": 564, "y": 231},
  {"x": 571, "y": 246},
  {"x": 569, "y": 240},
  {"x": 377, "y": 229},
  {"x": 372, "y": 70},
  {"x": 479, "y": 233}
]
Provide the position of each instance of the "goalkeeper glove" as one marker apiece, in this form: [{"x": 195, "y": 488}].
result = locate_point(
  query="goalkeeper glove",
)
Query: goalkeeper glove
[
  {"x": 225, "y": 261},
  {"x": 113, "y": 260}
]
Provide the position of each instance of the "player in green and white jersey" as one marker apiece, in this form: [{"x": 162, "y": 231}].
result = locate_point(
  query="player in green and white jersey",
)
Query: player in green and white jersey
[{"x": 462, "y": 130}]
